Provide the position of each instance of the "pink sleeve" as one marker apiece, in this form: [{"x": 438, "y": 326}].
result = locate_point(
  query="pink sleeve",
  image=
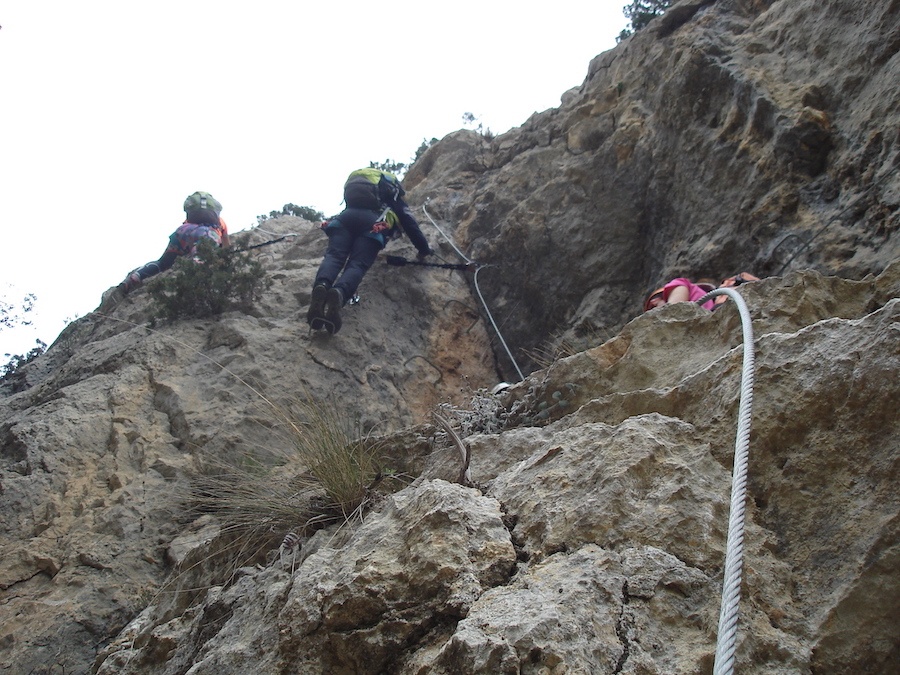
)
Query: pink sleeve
[
  {"x": 675, "y": 283},
  {"x": 695, "y": 292}
]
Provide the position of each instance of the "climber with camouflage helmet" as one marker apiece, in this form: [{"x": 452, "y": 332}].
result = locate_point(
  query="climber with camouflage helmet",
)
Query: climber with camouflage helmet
[{"x": 202, "y": 221}]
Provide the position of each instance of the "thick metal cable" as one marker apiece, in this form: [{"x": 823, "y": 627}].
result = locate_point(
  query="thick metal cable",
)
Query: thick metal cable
[
  {"x": 836, "y": 218},
  {"x": 478, "y": 291},
  {"x": 444, "y": 235},
  {"x": 493, "y": 323},
  {"x": 726, "y": 640},
  {"x": 274, "y": 234},
  {"x": 281, "y": 237}
]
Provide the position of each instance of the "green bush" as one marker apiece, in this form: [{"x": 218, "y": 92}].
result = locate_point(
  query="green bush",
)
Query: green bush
[
  {"x": 216, "y": 281},
  {"x": 470, "y": 119},
  {"x": 391, "y": 166},
  {"x": 399, "y": 169},
  {"x": 640, "y": 13},
  {"x": 16, "y": 361},
  {"x": 331, "y": 478},
  {"x": 422, "y": 148},
  {"x": 305, "y": 212},
  {"x": 12, "y": 315},
  {"x": 340, "y": 458}
]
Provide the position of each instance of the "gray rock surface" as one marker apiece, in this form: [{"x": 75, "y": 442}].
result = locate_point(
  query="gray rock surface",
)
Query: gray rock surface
[
  {"x": 590, "y": 535},
  {"x": 729, "y": 136},
  {"x": 594, "y": 538}
]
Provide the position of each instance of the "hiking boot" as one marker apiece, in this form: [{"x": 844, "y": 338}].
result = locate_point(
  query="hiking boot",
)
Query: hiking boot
[
  {"x": 131, "y": 282},
  {"x": 317, "y": 307},
  {"x": 333, "y": 304}
]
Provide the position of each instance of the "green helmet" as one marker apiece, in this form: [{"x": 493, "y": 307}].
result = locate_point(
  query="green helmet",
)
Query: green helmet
[{"x": 202, "y": 201}]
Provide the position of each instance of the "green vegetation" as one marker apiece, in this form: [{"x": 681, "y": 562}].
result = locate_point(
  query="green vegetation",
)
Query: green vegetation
[
  {"x": 305, "y": 212},
  {"x": 422, "y": 148},
  {"x": 391, "y": 166},
  {"x": 399, "y": 169},
  {"x": 329, "y": 476},
  {"x": 641, "y": 12},
  {"x": 470, "y": 119},
  {"x": 11, "y": 316},
  {"x": 16, "y": 361},
  {"x": 218, "y": 280},
  {"x": 338, "y": 455}
]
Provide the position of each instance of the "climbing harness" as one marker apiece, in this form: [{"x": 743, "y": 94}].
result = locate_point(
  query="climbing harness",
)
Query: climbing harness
[
  {"x": 726, "y": 641},
  {"x": 478, "y": 267}
]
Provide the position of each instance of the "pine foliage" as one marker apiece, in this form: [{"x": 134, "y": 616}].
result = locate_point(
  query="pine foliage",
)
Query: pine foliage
[{"x": 215, "y": 281}]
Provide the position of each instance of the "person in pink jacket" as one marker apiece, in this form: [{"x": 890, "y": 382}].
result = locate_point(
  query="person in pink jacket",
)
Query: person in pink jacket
[{"x": 681, "y": 289}]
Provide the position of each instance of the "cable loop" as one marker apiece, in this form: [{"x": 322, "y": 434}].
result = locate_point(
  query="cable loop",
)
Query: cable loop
[{"x": 726, "y": 641}]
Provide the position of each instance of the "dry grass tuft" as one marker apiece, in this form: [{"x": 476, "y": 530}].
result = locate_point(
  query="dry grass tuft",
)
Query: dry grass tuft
[
  {"x": 341, "y": 459},
  {"x": 557, "y": 347},
  {"x": 328, "y": 473}
]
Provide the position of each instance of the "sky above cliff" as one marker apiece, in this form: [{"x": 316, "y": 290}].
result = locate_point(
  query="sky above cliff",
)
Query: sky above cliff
[{"x": 113, "y": 112}]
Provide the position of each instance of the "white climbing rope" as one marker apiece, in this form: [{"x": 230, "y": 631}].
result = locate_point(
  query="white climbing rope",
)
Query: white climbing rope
[{"x": 726, "y": 640}]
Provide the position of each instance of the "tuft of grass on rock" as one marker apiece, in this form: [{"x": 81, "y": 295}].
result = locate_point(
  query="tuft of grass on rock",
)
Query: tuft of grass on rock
[
  {"x": 329, "y": 475},
  {"x": 338, "y": 455}
]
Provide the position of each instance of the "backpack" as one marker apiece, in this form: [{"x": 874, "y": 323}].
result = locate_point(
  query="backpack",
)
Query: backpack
[
  {"x": 372, "y": 189},
  {"x": 202, "y": 208}
]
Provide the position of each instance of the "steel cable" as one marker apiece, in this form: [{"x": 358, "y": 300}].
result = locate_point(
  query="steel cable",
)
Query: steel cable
[
  {"x": 478, "y": 268},
  {"x": 726, "y": 640}
]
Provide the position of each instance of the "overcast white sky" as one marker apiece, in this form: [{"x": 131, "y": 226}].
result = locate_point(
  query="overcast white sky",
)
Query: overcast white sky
[{"x": 112, "y": 112}]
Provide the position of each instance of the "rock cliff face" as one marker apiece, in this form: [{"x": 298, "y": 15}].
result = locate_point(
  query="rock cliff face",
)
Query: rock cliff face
[
  {"x": 589, "y": 533},
  {"x": 727, "y": 136}
]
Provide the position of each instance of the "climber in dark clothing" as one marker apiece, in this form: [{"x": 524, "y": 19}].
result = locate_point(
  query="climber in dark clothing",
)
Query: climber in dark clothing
[{"x": 375, "y": 213}]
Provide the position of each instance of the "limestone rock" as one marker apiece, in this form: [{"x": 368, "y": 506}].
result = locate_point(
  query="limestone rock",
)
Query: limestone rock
[
  {"x": 590, "y": 534},
  {"x": 728, "y": 136},
  {"x": 596, "y": 539}
]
